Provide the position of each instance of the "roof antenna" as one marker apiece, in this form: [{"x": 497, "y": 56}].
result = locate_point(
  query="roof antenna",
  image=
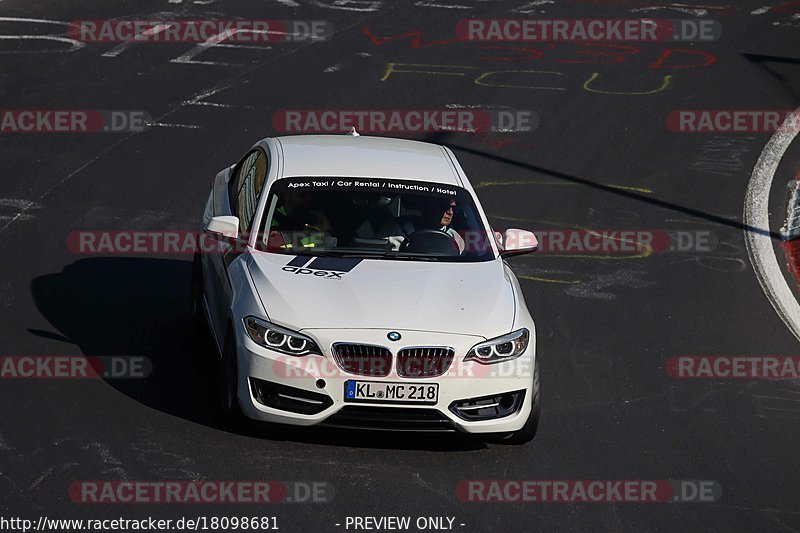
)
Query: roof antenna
[{"x": 353, "y": 132}]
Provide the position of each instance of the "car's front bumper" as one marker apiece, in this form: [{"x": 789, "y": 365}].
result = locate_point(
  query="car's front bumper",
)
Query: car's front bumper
[{"x": 315, "y": 385}]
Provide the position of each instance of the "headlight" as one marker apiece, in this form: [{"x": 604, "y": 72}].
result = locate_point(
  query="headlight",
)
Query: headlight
[
  {"x": 500, "y": 349},
  {"x": 279, "y": 339}
]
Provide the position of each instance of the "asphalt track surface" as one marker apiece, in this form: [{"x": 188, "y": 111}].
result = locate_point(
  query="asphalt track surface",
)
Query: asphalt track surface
[{"x": 606, "y": 325}]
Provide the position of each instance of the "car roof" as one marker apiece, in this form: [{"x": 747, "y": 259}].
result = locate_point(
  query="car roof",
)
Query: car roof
[{"x": 364, "y": 156}]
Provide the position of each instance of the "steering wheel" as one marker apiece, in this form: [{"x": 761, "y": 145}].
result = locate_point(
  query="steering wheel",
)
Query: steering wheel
[{"x": 430, "y": 241}]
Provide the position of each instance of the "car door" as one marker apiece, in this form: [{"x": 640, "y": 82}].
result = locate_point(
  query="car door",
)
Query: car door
[{"x": 243, "y": 192}]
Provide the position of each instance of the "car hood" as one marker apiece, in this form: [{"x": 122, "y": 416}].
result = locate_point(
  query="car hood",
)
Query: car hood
[{"x": 302, "y": 292}]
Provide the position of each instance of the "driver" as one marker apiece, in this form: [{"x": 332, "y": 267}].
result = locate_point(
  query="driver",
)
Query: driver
[
  {"x": 437, "y": 214},
  {"x": 440, "y": 215}
]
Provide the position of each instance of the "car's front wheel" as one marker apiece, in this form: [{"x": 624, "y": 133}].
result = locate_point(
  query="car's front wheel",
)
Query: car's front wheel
[
  {"x": 228, "y": 387},
  {"x": 197, "y": 312}
]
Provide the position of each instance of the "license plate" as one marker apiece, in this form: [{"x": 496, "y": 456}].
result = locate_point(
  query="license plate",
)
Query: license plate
[{"x": 378, "y": 392}]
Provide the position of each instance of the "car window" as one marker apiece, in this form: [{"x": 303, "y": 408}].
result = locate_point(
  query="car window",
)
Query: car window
[
  {"x": 246, "y": 188},
  {"x": 373, "y": 217}
]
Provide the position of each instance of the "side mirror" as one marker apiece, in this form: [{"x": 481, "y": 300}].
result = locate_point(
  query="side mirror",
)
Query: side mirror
[
  {"x": 518, "y": 242},
  {"x": 225, "y": 228}
]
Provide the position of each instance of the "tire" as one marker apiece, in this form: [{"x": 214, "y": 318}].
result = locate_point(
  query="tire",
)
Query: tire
[
  {"x": 203, "y": 351},
  {"x": 198, "y": 315},
  {"x": 228, "y": 384},
  {"x": 528, "y": 431}
]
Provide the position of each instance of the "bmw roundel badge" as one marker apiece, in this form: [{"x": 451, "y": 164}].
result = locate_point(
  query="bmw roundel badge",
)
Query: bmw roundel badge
[{"x": 393, "y": 336}]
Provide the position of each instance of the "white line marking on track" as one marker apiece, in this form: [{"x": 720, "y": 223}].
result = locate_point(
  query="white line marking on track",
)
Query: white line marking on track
[
  {"x": 673, "y": 7},
  {"x": 20, "y": 208},
  {"x": 168, "y": 125},
  {"x": 759, "y": 243},
  {"x": 205, "y": 94},
  {"x": 74, "y": 45},
  {"x": 445, "y": 6},
  {"x": 117, "y": 50},
  {"x": 217, "y": 104},
  {"x": 16, "y": 203},
  {"x": 25, "y": 19},
  {"x": 532, "y": 7}
]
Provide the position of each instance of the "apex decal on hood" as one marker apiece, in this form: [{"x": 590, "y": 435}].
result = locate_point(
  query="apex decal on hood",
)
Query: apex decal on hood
[
  {"x": 456, "y": 298},
  {"x": 321, "y": 267}
]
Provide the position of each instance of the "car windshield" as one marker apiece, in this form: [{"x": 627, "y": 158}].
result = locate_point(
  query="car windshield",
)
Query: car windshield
[{"x": 373, "y": 218}]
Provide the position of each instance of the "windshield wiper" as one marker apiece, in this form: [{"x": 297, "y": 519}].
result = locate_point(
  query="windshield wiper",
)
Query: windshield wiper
[
  {"x": 310, "y": 252},
  {"x": 322, "y": 253},
  {"x": 366, "y": 254},
  {"x": 413, "y": 257}
]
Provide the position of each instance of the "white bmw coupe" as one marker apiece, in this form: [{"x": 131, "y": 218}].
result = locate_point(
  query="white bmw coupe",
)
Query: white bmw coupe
[{"x": 355, "y": 281}]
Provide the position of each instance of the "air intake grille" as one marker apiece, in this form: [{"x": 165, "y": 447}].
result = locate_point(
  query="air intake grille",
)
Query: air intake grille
[
  {"x": 390, "y": 418},
  {"x": 424, "y": 362},
  {"x": 289, "y": 398},
  {"x": 363, "y": 359}
]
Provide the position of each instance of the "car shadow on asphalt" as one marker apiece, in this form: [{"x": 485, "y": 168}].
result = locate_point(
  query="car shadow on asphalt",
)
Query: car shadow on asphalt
[{"x": 140, "y": 307}]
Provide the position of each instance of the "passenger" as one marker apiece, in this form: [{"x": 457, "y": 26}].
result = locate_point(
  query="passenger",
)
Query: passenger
[
  {"x": 296, "y": 214},
  {"x": 296, "y": 225}
]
